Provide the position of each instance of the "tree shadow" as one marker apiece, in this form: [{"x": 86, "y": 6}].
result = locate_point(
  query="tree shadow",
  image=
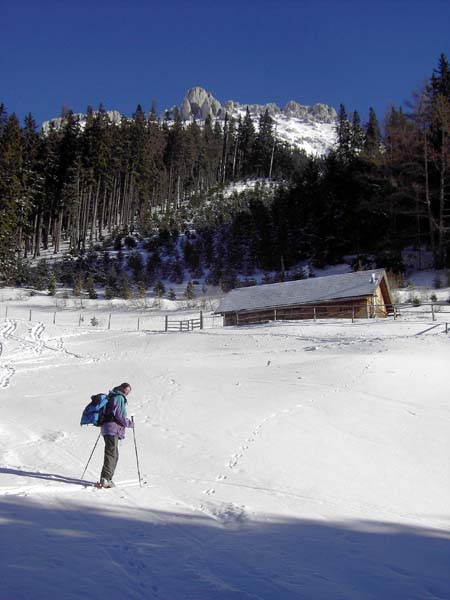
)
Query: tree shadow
[{"x": 103, "y": 549}]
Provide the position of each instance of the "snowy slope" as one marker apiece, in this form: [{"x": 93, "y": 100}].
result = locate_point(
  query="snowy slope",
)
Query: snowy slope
[
  {"x": 282, "y": 461},
  {"x": 312, "y": 136}
]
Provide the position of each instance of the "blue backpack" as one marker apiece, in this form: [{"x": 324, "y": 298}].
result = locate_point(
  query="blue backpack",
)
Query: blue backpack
[{"x": 94, "y": 413}]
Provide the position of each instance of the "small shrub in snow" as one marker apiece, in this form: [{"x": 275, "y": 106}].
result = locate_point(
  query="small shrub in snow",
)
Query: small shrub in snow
[
  {"x": 52, "y": 286},
  {"x": 109, "y": 292},
  {"x": 91, "y": 289},
  {"x": 416, "y": 301},
  {"x": 189, "y": 292},
  {"x": 141, "y": 290},
  {"x": 433, "y": 298},
  {"x": 159, "y": 290},
  {"x": 77, "y": 285},
  {"x": 171, "y": 295},
  {"x": 125, "y": 290},
  {"x": 94, "y": 322}
]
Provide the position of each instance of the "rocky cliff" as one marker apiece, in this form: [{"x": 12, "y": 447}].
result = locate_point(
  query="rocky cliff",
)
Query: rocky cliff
[{"x": 199, "y": 104}]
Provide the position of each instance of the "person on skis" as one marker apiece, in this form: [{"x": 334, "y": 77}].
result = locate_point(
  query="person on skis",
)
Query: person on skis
[{"x": 113, "y": 430}]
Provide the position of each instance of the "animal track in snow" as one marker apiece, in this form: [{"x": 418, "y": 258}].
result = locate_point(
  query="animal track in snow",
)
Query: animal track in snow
[
  {"x": 6, "y": 374},
  {"x": 236, "y": 457}
]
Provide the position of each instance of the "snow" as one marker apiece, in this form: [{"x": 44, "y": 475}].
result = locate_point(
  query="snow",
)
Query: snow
[
  {"x": 281, "y": 461},
  {"x": 314, "y": 137}
]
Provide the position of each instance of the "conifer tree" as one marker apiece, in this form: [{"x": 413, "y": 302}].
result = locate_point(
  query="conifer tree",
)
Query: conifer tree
[
  {"x": 13, "y": 205},
  {"x": 343, "y": 135},
  {"x": 372, "y": 143}
]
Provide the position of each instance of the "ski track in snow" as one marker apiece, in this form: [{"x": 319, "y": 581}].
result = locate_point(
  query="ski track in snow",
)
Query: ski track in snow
[
  {"x": 33, "y": 343},
  {"x": 7, "y": 371}
]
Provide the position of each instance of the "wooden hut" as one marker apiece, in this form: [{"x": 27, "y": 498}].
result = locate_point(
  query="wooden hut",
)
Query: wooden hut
[{"x": 363, "y": 294}]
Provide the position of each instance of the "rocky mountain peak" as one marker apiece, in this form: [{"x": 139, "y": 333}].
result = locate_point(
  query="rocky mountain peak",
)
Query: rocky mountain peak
[{"x": 199, "y": 104}]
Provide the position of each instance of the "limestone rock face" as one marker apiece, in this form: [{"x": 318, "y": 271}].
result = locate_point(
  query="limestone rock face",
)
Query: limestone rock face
[
  {"x": 321, "y": 113},
  {"x": 255, "y": 109},
  {"x": 199, "y": 104}
]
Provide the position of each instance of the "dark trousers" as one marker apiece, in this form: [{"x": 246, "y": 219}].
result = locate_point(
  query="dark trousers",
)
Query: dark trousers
[{"x": 111, "y": 456}]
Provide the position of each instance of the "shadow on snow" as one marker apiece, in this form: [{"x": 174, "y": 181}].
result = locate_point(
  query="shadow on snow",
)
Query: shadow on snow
[
  {"x": 76, "y": 552},
  {"x": 48, "y": 476}
]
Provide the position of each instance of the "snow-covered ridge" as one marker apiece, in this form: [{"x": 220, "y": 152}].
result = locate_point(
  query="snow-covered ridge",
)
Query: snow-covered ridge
[
  {"x": 199, "y": 104},
  {"x": 310, "y": 128},
  {"x": 113, "y": 115}
]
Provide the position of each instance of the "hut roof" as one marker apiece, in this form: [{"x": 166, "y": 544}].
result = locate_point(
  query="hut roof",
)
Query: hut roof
[{"x": 303, "y": 291}]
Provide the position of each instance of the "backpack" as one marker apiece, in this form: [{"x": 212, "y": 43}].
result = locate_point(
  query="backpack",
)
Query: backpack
[{"x": 94, "y": 413}]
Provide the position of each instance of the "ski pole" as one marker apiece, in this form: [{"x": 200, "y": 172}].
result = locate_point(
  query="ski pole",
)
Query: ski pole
[
  {"x": 93, "y": 450},
  {"x": 135, "y": 448}
]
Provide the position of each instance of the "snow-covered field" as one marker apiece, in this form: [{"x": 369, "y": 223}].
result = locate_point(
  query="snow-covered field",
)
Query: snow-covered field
[{"x": 283, "y": 461}]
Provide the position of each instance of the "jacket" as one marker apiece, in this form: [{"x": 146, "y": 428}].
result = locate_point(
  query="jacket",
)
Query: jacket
[{"x": 116, "y": 416}]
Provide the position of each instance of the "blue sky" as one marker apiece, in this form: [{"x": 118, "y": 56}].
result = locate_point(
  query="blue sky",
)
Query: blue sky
[{"x": 362, "y": 53}]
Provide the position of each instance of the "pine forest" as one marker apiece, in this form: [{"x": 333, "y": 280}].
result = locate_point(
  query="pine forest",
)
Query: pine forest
[{"x": 129, "y": 205}]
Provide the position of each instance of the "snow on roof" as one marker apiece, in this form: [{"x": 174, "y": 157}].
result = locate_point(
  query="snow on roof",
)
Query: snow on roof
[{"x": 303, "y": 291}]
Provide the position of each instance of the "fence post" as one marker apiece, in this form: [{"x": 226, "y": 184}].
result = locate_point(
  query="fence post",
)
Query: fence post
[
  {"x": 395, "y": 312},
  {"x": 30, "y": 315},
  {"x": 181, "y": 325},
  {"x": 79, "y": 321},
  {"x": 109, "y": 322},
  {"x": 432, "y": 312},
  {"x": 139, "y": 325},
  {"x": 274, "y": 314},
  {"x": 446, "y": 328},
  {"x": 314, "y": 313},
  {"x": 353, "y": 314},
  {"x": 201, "y": 319},
  {"x": 54, "y": 318},
  {"x": 166, "y": 323},
  {"x": 6, "y": 311}
]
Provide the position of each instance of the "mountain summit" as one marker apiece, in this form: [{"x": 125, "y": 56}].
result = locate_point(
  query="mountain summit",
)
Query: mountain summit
[{"x": 311, "y": 128}]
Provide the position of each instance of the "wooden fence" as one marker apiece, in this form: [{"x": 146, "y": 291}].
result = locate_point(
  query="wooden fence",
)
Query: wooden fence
[
  {"x": 184, "y": 324},
  {"x": 437, "y": 311}
]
